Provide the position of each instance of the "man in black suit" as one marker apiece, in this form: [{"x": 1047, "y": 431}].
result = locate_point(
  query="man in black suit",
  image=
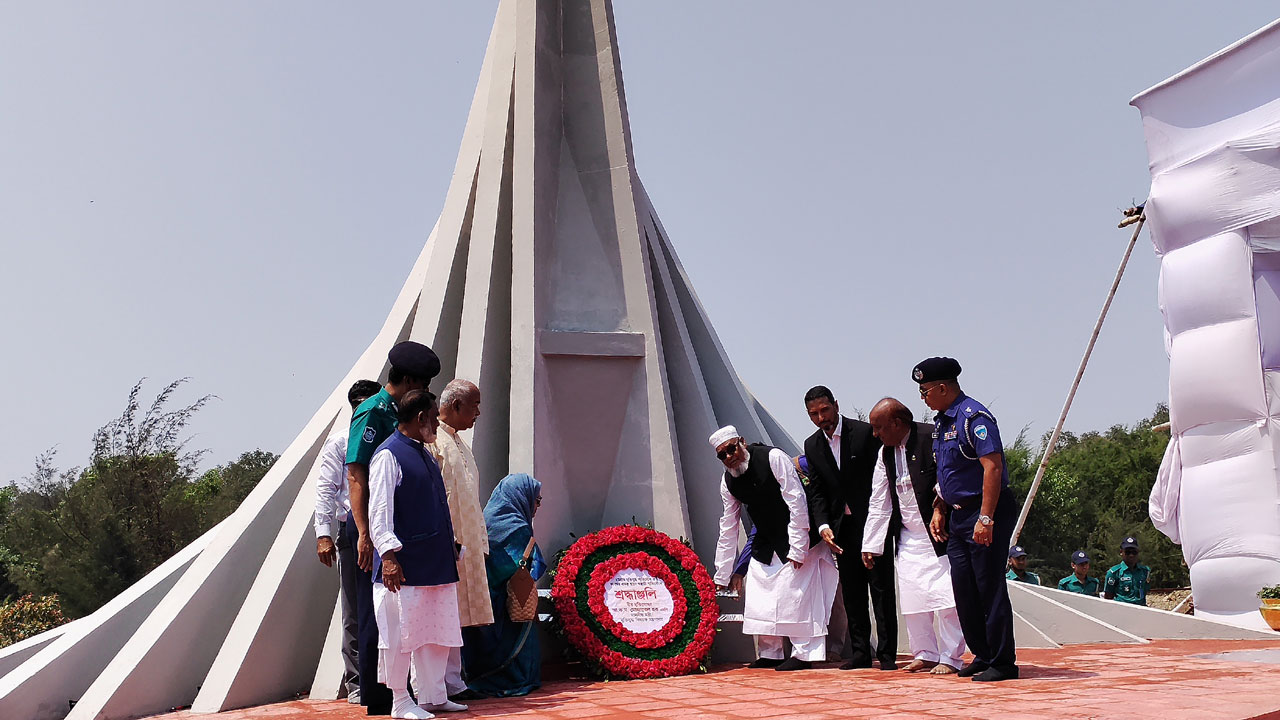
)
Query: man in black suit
[{"x": 842, "y": 456}]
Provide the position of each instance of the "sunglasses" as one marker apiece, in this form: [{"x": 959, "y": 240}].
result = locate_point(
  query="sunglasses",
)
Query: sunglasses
[
  {"x": 728, "y": 450},
  {"x": 924, "y": 391}
]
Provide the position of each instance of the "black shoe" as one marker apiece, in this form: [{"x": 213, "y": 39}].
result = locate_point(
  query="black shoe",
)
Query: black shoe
[
  {"x": 377, "y": 710},
  {"x": 794, "y": 664},
  {"x": 856, "y": 665},
  {"x": 465, "y": 695},
  {"x": 889, "y": 665},
  {"x": 995, "y": 674},
  {"x": 971, "y": 669},
  {"x": 764, "y": 663}
]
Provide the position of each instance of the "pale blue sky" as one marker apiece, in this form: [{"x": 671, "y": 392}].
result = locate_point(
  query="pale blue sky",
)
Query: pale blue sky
[{"x": 233, "y": 191}]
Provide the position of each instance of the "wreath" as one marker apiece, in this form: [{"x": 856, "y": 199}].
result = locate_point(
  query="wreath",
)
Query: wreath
[{"x": 630, "y": 566}]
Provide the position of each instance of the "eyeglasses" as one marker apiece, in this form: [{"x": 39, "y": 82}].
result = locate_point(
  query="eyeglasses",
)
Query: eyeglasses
[
  {"x": 1130, "y": 551},
  {"x": 728, "y": 450},
  {"x": 924, "y": 391}
]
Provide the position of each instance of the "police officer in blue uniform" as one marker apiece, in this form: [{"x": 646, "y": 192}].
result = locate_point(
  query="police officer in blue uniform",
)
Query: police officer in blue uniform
[{"x": 974, "y": 482}]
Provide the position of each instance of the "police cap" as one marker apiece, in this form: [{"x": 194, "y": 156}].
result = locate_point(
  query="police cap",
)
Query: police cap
[
  {"x": 1129, "y": 542},
  {"x": 1079, "y": 557},
  {"x": 935, "y": 368},
  {"x": 1016, "y": 552},
  {"x": 414, "y": 359}
]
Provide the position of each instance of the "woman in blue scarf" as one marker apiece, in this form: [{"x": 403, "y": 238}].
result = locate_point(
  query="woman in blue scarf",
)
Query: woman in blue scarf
[{"x": 505, "y": 659}]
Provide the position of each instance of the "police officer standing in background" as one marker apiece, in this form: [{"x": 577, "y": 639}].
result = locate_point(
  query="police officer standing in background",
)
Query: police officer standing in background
[{"x": 973, "y": 480}]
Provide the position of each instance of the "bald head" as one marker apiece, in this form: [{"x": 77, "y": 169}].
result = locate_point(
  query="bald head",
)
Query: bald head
[
  {"x": 460, "y": 404},
  {"x": 891, "y": 421}
]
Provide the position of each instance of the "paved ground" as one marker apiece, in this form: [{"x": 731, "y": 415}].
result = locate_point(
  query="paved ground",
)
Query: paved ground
[{"x": 1166, "y": 679}]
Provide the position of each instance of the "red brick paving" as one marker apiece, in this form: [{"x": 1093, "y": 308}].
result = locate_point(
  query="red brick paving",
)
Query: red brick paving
[{"x": 1161, "y": 680}]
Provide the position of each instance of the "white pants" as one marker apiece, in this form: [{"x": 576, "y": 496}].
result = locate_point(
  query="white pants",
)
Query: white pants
[
  {"x": 944, "y": 646},
  {"x": 813, "y": 649},
  {"x": 428, "y": 664},
  {"x": 453, "y": 672}
]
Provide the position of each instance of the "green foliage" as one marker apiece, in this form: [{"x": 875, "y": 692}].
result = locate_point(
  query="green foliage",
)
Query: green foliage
[
  {"x": 27, "y": 616},
  {"x": 1270, "y": 592},
  {"x": 87, "y": 534},
  {"x": 1094, "y": 493}
]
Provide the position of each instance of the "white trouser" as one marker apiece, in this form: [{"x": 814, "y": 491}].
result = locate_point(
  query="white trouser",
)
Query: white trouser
[
  {"x": 453, "y": 672},
  {"x": 429, "y": 663},
  {"x": 813, "y": 649},
  {"x": 946, "y": 645}
]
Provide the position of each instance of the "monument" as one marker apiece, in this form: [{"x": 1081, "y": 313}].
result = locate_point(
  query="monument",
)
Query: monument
[
  {"x": 550, "y": 281},
  {"x": 1213, "y": 137}
]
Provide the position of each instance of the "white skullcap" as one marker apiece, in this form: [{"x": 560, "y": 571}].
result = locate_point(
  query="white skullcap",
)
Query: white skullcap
[{"x": 722, "y": 436}]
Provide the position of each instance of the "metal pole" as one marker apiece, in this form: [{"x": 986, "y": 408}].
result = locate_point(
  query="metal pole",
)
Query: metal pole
[{"x": 1139, "y": 219}]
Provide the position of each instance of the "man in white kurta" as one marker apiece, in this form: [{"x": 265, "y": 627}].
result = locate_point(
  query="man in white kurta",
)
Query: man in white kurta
[
  {"x": 459, "y": 409},
  {"x": 791, "y": 579},
  {"x": 415, "y": 576},
  {"x": 924, "y": 577}
]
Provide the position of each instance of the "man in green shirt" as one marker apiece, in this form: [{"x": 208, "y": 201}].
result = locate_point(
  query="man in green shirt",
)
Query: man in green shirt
[
  {"x": 1018, "y": 567},
  {"x": 1128, "y": 581},
  {"x": 413, "y": 365},
  {"x": 1079, "y": 581}
]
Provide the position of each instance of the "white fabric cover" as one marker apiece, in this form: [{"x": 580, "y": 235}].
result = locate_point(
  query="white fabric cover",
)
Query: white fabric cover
[{"x": 1213, "y": 138}]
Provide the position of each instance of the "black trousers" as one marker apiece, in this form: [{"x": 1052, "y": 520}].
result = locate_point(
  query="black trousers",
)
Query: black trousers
[
  {"x": 856, "y": 582},
  {"x": 349, "y": 579},
  {"x": 977, "y": 576},
  {"x": 375, "y": 696}
]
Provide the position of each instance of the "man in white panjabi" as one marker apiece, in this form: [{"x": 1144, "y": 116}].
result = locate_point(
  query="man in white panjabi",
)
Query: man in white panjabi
[
  {"x": 415, "y": 571},
  {"x": 791, "y": 578},
  {"x": 903, "y": 500},
  {"x": 459, "y": 409}
]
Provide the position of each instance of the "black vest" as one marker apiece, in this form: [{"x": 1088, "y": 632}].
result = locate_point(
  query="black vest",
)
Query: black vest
[
  {"x": 924, "y": 475},
  {"x": 759, "y": 490}
]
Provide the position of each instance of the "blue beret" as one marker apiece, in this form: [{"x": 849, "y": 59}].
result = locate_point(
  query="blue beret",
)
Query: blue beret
[
  {"x": 415, "y": 359},
  {"x": 935, "y": 368}
]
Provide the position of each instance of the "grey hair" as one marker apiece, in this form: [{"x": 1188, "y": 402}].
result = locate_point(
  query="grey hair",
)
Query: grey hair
[{"x": 458, "y": 390}]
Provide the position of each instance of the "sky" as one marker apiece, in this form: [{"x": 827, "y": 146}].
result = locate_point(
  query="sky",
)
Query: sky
[{"x": 233, "y": 192}]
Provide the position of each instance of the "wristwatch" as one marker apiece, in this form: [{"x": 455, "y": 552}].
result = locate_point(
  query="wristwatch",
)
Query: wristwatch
[{"x": 985, "y": 520}]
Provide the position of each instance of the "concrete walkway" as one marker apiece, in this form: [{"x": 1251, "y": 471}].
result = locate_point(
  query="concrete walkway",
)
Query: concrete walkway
[{"x": 1166, "y": 679}]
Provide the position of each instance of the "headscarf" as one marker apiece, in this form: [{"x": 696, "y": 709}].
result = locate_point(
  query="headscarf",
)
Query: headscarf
[{"x": 508, "y": 516}]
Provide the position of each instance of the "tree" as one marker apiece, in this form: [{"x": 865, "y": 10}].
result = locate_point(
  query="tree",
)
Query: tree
[
  {"x": 1094, "y": 494},
  {"x": 89, "y": 534}
]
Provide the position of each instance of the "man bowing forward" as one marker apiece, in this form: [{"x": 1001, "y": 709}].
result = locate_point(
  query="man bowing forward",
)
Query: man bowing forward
[{"x": 791, "y": 578}]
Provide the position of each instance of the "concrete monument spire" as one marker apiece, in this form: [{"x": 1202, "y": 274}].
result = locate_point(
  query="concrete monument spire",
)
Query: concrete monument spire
[{"x": 548, "y": 280}]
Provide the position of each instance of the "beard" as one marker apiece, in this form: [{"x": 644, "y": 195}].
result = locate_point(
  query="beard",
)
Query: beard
[{"x": 737, "y": 470}]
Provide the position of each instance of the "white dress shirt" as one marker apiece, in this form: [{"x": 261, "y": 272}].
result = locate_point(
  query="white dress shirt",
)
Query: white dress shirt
[
  {"x": 333, "y": 502},
  {"x": 833, "y": 440},
  {"x": 797, "y": 527},
  {"x": 384, "y": 477}
]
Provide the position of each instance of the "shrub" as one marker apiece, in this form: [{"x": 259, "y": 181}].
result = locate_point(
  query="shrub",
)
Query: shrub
[{"x": 27, "y": 616}]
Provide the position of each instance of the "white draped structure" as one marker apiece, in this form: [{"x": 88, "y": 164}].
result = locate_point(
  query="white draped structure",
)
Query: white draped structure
[{"x": 1213, "y": 137}]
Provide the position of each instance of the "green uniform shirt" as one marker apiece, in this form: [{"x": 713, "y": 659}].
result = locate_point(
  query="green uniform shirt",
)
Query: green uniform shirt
[
  {"x": 373, "y": 422},
  {"x": 1030, "y": 578},
  {"x": 1129, "y": 584},
  {"x": 1071, "y": 583}
]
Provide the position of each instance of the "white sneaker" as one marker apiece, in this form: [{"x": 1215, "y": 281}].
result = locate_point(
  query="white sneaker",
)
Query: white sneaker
[{"x": 447, "y": 706}]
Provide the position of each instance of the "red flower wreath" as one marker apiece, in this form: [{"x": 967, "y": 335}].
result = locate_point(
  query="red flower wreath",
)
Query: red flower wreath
[{"x": 677, "y": 648}]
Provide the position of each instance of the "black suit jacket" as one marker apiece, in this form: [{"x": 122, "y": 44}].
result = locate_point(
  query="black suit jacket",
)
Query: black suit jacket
[
  {"x": 831, "y": 489},
  {"x": 924, "y": 475}
]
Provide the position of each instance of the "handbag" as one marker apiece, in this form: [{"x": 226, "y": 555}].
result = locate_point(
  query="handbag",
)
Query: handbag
[{"x": 522, "y": 591}]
